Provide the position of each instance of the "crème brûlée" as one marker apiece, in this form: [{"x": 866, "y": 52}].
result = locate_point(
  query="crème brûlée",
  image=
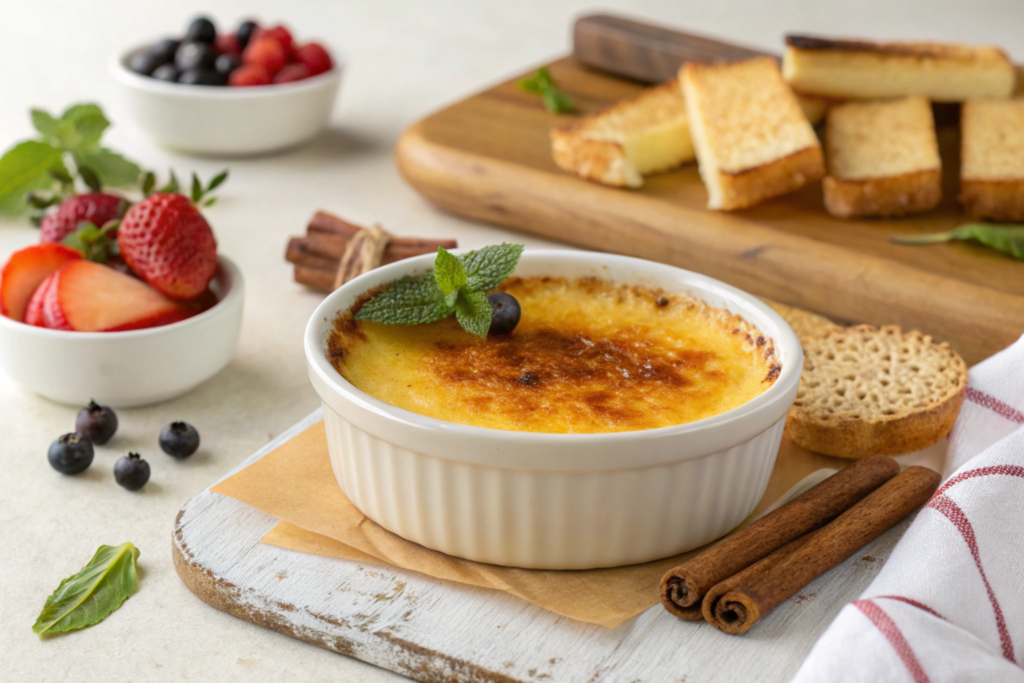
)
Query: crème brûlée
[{"x": 588, "y": 356}]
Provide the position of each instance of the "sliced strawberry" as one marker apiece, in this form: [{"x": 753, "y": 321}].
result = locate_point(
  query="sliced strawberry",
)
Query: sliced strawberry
[
  {"x": 25, "y": 271},
  {"x": 167, "y": 242},
  {"x": 89, "y": 297},
  {"x": 34, "y": 312}
]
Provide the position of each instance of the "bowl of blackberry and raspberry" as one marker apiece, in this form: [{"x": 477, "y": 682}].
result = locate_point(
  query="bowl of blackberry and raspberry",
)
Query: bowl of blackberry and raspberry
[
  {"x": 248, "y": 90},
  {"x": 126, "y": 301}
]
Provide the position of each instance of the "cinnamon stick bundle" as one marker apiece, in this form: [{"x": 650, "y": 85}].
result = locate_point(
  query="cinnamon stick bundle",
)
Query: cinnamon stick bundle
[
  {"x": 684, "y": 587},
  {"x": 745, "y": 598},
  {"x": 316, "y": 256}
]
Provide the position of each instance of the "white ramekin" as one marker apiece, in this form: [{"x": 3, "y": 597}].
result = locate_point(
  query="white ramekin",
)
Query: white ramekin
[
  {"x": 132, "y": 368},
  {"x": 555, "y": 501},
  {"x": 224, "y": 120}
]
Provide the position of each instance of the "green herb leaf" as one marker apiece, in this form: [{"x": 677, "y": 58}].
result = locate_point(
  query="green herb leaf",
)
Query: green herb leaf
[
  {"x": 412, "y": 300},
  {"x": 458, "y": 284},
  {"x": 89, "y": 596},
  {"x": 148, "y": 183},
  {"x": 1007, "y": 238},
  {"x": 113, "y": 169},
  {"x": 95, "y": 243},
  {"x": 44, "y": 123},
  {"x": 473, "y": 311},
  {"x": 23, "y": 164},
  {"x": 541, "y": 83},
  {"x": 89, "y": 177},
  {"x": 81, "y": 127},
  {"x": 16, "y": 203},
  {"x": 450, "y": 275},
  {"x": 488, "y": 267}
]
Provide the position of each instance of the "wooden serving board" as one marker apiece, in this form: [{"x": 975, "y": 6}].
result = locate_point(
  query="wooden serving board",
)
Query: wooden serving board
[
  {"x": 488, "y": 158},
  {"x": 435, "y": 631}
]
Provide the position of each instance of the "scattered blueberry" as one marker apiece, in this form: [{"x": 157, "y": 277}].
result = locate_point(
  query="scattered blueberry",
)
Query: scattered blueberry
[
  {"x": 194, "y": 56},
  {"x": 167, "y": 72},
  {"x": 97, "y": 423},
  {"x": 179, "y": 440},
  {"x": 71, "y": 453},
  {"x": 505, "y": 313},
  {"x": 201, "y": 30},
  {"x": 244, "y": 32},
  {"x": 165, "y": 49},
  {"x": 201, "y": 77},
  {"x": 131, "y": 472},
  {"x": 226, "y": 63}
]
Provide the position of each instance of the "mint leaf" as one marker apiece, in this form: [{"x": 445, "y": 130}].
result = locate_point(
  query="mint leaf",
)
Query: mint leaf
[
  {"x": 23, "y": 164},
  {"x": 89, "y": 596},
  {"x": 557, "y": 101},
  {"x": 541, "y": 83},
  {"x": 412, "y": 300},
  {"x": 44, "y": 123},
  {"x": 450, "y": 275},
  {"x": 488, "y": 267},
  {"x": 112, "y": 168},
  {"x": 16, "y": 203},
  {"x": 473, "y": 311},
  {"x": 81, "y": 127}
]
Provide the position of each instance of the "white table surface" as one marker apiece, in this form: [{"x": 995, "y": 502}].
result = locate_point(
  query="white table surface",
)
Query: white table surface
[{"x": 406, "y": 59}]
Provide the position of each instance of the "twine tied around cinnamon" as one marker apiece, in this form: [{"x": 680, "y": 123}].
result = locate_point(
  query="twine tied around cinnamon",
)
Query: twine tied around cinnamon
[{"x": 363, "y": 253}]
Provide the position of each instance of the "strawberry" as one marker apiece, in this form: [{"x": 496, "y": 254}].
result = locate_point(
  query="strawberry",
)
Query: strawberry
[
  {"x": 266, "y": 51},
  {"x": 291, "y": 73},
  {"x": 88, "y": 297},
  {"x": 250, "y": 74},
  {"x": 315, "y": 57},
  {"x": 94, "y": 207},
  {"x": 167, "y": 242},
  {"x": 34, "y": 312},
  {"x": 25, "y": 271}
]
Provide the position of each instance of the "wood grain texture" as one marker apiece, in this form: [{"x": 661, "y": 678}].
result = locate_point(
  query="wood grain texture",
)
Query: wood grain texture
[
  {"x": 488, "y": 158},
  {"x": 434, "y": 631}
]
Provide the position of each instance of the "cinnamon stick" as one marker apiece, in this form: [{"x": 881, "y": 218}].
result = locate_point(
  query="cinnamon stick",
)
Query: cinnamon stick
[
  {"x": 684, "y": 587},
  {"x": 745, "y": 604}
]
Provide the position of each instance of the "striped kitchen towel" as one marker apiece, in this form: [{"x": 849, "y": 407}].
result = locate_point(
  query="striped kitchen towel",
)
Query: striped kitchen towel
[{"x": 949, "y": 603}]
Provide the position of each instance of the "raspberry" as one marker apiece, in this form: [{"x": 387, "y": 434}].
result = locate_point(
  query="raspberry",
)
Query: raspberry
[
  {"x": 265, "y": 51},
  {"x": 228, "y": 44},
  {"x": 291, "y": 73},
  {"x": 249, "y": 74},
  {"x": 315, "y": 57},
  {"x": 281, "y": 34}
]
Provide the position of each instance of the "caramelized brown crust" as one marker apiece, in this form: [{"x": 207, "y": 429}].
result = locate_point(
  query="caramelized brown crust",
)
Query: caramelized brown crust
[
  {"x": 753, "y": 185},
  {"x": 905, "y": 49},
  {"x": 1001, "y": 200},
  {"x": 895, "y": 195}
]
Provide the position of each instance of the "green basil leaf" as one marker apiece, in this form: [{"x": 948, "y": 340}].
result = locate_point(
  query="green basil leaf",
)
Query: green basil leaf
[
  {"x": 44, "y": 123},
  {"x": 113, "y": 169},
  {"x": 473, "y": 311},
  {"x": 449, "y": 273},
  {"x": 488, "y": 267},
  {"x": 22, "y": 165},
  {"x": 1007, "y": 238},
  {"x": 411, "y": 300},
  {"x": 89, "y": 596}
]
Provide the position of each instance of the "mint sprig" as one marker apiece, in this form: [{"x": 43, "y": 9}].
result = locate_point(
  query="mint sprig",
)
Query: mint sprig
[
  {"x": 458, "y": 284},
  {"x": 541, "y": 83},
  {"x": 66, "y": 153}
]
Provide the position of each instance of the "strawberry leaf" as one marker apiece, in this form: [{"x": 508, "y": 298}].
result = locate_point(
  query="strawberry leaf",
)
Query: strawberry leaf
[{"x": 197, "y": 189}]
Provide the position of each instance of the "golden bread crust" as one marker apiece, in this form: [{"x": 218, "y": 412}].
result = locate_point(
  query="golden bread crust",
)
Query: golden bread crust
[
  {"x": 1001, "y": 200},
  {"x": 782, "y": 176},
  {"x": 896, "y": 195},
  {"x": 875, "y": 391}
]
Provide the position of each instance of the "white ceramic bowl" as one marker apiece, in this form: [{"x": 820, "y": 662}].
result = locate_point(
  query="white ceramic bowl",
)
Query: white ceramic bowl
[
  {"x": 131, "y": 368},
  {"x": 228, "y": 121},
  {"x": 555, "y": 501}
]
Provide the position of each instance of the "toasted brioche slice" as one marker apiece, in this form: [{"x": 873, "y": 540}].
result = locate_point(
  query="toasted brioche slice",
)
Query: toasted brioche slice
[
  {"x": 863, "y": 70},
  {"x": 992, "y": 159},
  {"x": 634, "y": 138},
  {"x": 752, "y": 139},
  {"x": 804, "y": 323},
  {"x": 875, "y": 391},
  {"x": 883, "y": 158}
]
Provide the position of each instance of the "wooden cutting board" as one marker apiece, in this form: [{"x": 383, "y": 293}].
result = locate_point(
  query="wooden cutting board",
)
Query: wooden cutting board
[
  {"x": 488, "y": 158},
  {"x": 436, "y": 631}
]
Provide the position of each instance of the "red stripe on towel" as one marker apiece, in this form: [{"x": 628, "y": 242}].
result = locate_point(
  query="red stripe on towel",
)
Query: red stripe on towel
[
  {"x": 1008, "y": 470},
  {"x": 952, "y": 511},
  {"x": 912, "y": 603},
  {"x": 888, "y": 628},
  {"x": 995, "y": 405}
]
